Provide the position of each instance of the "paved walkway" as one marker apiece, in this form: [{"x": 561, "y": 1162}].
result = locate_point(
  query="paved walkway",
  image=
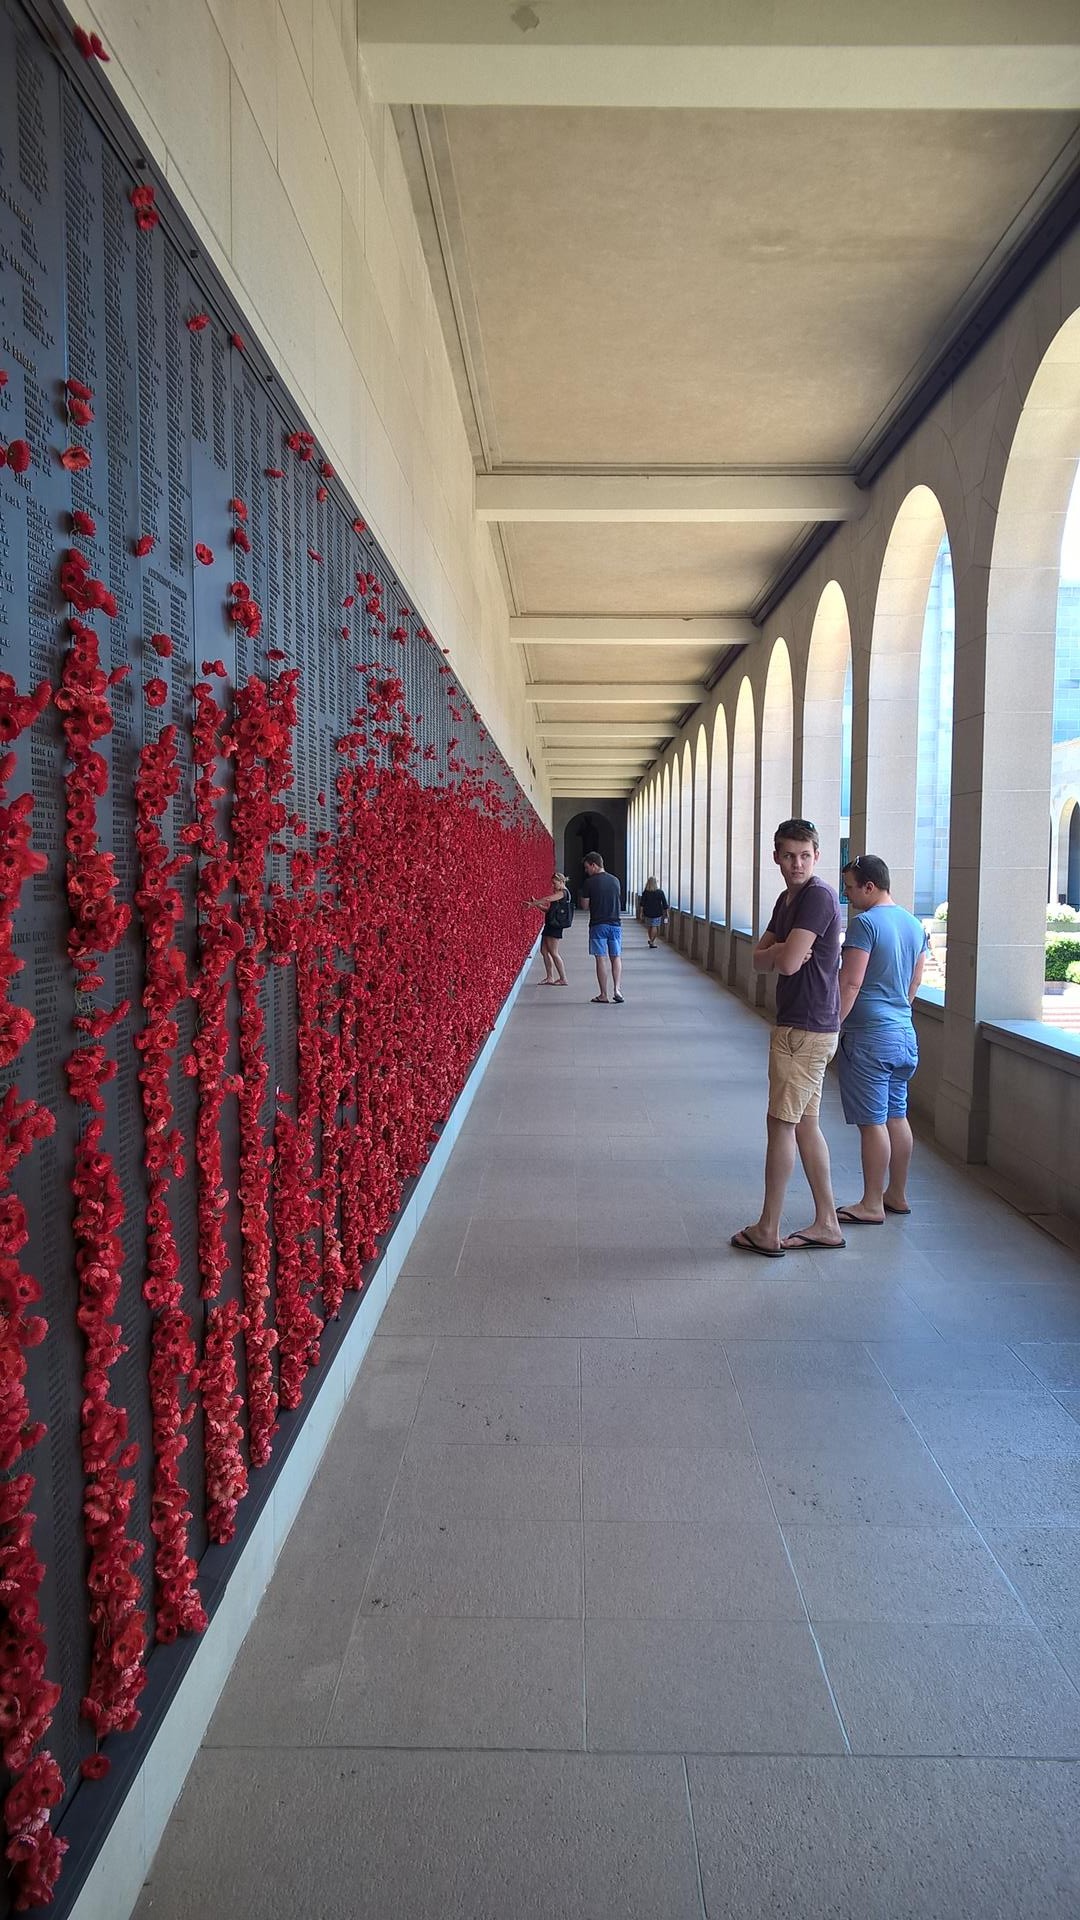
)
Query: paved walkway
[{"x": 643, "y": 1579}]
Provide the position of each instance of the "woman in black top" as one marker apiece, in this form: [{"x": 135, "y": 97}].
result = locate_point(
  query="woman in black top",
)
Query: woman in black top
[
  {"x": 654, "y": 907},
  {"x": 558, "y": 911}
]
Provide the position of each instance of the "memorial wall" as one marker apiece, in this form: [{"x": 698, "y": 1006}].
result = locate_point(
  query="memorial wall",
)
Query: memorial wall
[{"x": 254, "y": 840}]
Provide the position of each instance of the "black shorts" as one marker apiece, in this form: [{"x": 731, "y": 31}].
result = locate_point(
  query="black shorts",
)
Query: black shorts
[{"x": 553, "y": 933}]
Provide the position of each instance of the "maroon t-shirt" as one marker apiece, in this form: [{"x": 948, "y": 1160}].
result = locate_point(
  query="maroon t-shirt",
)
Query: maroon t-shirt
[{"x": 810, "y": 999}]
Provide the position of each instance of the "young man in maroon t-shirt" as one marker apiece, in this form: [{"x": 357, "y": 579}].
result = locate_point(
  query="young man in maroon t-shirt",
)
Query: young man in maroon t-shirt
[{"x": 801, "y": 945}]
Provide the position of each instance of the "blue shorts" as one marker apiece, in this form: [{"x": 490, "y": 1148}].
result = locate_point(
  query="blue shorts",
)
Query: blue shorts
[
  {"x": 874, "y": 1066},
  {"x": 605, "y": 941},
  {"x": 654, "y": 923}
]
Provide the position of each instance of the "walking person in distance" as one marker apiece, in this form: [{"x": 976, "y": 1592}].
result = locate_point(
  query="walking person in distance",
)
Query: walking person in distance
[{"x": 654, "y": 909}]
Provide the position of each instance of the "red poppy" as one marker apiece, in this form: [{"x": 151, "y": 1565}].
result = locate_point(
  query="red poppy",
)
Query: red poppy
[
  {"x": 197, "y": 321},
  {"x": 321, "y": 494},
  {"x": 144, "y": 544},
  {"x": 75, "y": 459},
  {"x": 146, "y": 213},
  {"x": 274, "y": 473},
  {"x": 95, "y": 1766},
  {"x": 359, "y": 526},
  {"x": 156, "y": 692},
  {"x": 237, "y": 340},
  {"x": 19, "y": 456},
  {"x": 82, "y": 523},
  {"x": 204, "y": 555},
  {"x": 89, "y": 44},
  {"x": 162, "y": 645},
  {"x": 238, "y": 507}
]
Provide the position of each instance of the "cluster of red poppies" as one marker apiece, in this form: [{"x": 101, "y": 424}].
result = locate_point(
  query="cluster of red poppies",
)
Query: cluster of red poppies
[
  {"x": 98, "y": 921},
  {"x": 173, "y": 1359},
  {"x": 27, "y": 1696}
]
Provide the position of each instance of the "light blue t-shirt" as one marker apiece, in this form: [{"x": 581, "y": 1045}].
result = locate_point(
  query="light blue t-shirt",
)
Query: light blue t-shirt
[{"x": 894, "y": 940}]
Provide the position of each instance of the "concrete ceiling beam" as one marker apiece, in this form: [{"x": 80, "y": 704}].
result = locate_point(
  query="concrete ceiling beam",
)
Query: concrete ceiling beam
[
  {"x": 577, "y": 693},
  {"x": 833, "y": 57},
  {"x": 640, "y": 498},
  {"x": 621, "y": 630},
  {"x": 602, "y": 733}
]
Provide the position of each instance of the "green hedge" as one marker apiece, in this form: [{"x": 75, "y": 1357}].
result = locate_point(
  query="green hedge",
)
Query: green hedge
[
  {"x": 1072, "y": 972},
  {"x": 1062, "y": 951}
]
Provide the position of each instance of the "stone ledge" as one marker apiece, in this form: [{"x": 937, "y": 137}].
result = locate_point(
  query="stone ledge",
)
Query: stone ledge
[{"x": 1052, "y": 1046}]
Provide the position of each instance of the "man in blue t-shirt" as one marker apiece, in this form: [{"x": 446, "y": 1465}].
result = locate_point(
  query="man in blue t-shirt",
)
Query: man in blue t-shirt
[{"x": 880, "y": 970}]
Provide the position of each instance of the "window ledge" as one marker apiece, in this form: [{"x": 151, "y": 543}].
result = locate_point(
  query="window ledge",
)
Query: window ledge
[
  {"x": 931, "y": 1002},
  {"x": 1052, "y": 1045}
]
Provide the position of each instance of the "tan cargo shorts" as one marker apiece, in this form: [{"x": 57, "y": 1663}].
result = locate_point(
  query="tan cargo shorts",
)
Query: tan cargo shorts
[{"x": 797, "y": 1063}]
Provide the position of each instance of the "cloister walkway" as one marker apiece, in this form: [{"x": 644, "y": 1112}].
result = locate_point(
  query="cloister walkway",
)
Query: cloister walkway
[{"x": 643, "y": 1579}]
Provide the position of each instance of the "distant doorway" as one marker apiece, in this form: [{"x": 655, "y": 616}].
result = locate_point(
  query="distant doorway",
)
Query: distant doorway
[{"x": 586, "y": 833}]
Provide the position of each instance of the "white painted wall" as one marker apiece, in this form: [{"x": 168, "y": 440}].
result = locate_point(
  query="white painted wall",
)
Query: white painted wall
[{"x": 262, "y": 121}]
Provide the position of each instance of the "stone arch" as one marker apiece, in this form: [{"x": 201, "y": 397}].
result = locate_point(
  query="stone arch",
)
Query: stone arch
[
  {"x": 895, "y": 655},
  {"x": 665, "y": 832},
  {"x": 718, "y": 821},
  {"x": 743, "y": 769},
  {"x": 674, "y": 861},
  {"x": 686, "y": 833},
  {"x": 777, "y": 731},
  {"x": 701, "y": 826},
  {"x": 1021, "y": 635},
  {"x": 1067, "y": 852},
  {"x": 828, "y": 671}
]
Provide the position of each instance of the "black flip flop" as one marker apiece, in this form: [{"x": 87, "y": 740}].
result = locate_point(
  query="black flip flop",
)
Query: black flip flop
[
  {"x": 744, "y": 1245},
  {"x": 805, "y": 1242},
  {"x": 850, "y": 1219}
]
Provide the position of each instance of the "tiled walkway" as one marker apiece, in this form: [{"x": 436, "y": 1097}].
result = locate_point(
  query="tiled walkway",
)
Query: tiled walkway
[{"x": 643, "y": 1579}]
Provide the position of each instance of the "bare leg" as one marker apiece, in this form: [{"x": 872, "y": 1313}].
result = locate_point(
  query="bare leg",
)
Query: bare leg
[
  {"x": 556, "y": 954},
  {"x": 779, "y": 1165},
  {"x": 814, "y": 1154},
  {"x": 603, "y": 974},
  {"x": 902, "y": 1144},
  {"x": 874, "y": 1147},
  {"x": 545, "y": 955},
  {"x": 616, "y": 971}
]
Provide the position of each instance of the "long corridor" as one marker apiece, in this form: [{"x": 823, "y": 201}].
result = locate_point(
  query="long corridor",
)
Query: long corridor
[{"x": 647, "y": 1579}]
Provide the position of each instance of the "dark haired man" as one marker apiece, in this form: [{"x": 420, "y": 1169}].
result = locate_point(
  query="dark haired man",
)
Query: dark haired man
[
  {"x": 605, "y": 930},
  {"x": 880, "y": 971},
  {"x": 801, "y": 945}
]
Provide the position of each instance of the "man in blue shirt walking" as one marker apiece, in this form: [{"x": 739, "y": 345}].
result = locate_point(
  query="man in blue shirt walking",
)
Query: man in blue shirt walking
[{"x": 880, "y": 971}]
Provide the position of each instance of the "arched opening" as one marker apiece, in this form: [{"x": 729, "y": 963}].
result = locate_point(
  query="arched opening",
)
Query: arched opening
[
  {"x": 896, "y": 649},
  {"x": 933, "y": 784},
  {"x": 826, "y": 780},
  {"x": 1067, "y": 889},
  {"x": 1018, "y": 761},
  {"x": 777, "y": 714},
  {"x": 701, "y": 824},
  {"x": 665, "y": 832},
  {"x": 587, "y": 833},
  {"x": 674, "y": 861},
  {"x": 718, "y": 824},
  {"x": 686, "y": 834},
  {"x": 742, "y": 812}
]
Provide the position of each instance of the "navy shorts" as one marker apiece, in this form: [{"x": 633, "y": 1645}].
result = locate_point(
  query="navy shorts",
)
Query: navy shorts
[{"x": 874, "y": 1065}]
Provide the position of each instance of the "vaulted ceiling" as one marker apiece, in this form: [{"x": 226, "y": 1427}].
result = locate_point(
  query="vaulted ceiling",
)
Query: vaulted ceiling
[{"x": 693, "y": 259}]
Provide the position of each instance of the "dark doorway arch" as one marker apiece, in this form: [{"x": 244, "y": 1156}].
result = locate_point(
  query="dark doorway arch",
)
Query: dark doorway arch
[
  {"x": 1072, "y": 869},
  {"x": 584, "y": 833}
]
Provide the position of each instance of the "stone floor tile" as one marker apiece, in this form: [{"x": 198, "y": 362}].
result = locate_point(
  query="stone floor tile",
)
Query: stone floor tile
[
  {"x": 1017, "y": 1310},
  {"x": 1015, "y": 1492},
  {"x": 1043, "y": 1564},
  {"x": 709, "y": 1488},
  {"x": 460, "y": 1683},
  {"x": 969, "y": 1425},
  {"x": 894, "y": 1484},
  {"x": 490, "y": 1415},
  {"x": 661, "y": 1363},
  {"x": 859, "y": 1839},
  {"x": 921, "y": 1575},
  {"x": 1055, "y": 1362},
  {"x": 337, "y": 1832},
  {"x": 783, "y": 1419},
  {"x": 945, "y": 1690},
  {"x": 439, "y": 1482},
  {"x": 954, "y": 1364},
  {"x": 463, "y": 1360},
  {"x": 678, "y": 1570},
  {"x": 689, "y": 1686},
  {"x": 801, "y": 1363},
  {"x": 638, "y": 1414},
  {"x": 512, "y": 1569}
]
